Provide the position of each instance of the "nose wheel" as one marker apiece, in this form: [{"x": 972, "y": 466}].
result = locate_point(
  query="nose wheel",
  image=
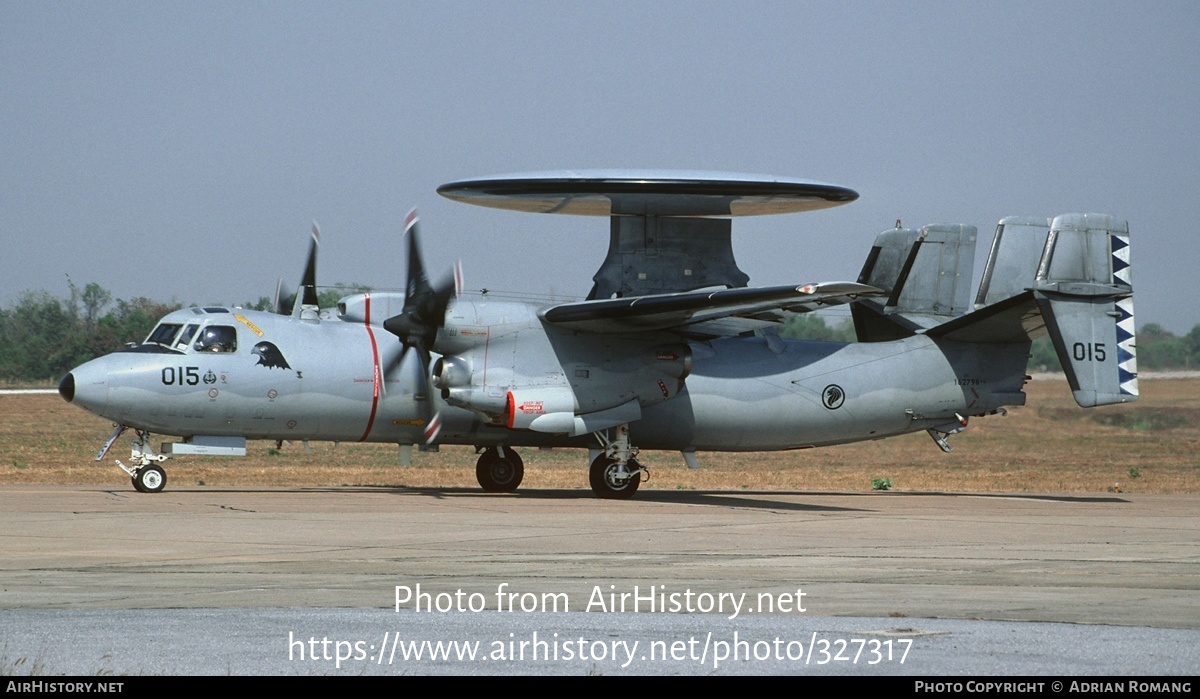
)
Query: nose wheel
[
  {"x": 149, "y": 479},
  {"x": 144, "y": 472}
]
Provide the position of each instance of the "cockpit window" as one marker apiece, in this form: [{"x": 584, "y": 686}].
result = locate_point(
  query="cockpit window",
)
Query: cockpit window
[
  {"x": 163, "y": 334},
  {"x": 185, "y": 337},
  {"x": 217, "y": 338}
]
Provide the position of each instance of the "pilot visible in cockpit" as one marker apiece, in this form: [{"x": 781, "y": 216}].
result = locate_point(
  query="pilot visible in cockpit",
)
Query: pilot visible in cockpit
[{"x": 217, "y": 338}]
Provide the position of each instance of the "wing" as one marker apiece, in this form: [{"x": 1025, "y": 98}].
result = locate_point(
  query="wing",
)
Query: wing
[{"x": 720, "y": 312}]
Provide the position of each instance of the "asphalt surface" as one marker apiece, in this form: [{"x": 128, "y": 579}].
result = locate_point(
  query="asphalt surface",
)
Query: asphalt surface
[{"x": 355, "y": 581}]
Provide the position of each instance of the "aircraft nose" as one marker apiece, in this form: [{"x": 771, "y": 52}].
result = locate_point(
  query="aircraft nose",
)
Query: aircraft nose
[
  {"x": 87, "y": 385},
  {"x": 66, "y": 388}
]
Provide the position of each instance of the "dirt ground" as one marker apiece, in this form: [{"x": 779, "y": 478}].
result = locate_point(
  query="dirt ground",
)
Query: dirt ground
[{"x": 1049, "y": 445}]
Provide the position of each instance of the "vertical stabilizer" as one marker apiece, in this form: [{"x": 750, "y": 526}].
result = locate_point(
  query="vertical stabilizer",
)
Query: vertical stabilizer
[
  {"x": 1013, "y": 261},
  {"x": 927, "y": 275},
  {"x": 1085, "y": 292}
]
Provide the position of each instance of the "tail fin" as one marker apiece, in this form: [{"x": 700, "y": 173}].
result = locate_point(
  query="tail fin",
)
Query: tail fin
[
  {"x": 1069, "y": 277},
  {"x": 1013, "y": 262},
  {"x": 1085, "y": 292},
  {"x": 927, "y": 275}
]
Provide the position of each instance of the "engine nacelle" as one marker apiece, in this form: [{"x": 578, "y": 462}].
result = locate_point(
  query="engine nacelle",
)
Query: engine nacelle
[
  {"x": 476, "y": 399},
  {"x": 453, "y": 376},
  {"x": 555, "y": 423},
  {"x": 528, "y": 404},
  {"x": 674, "y": 360},
  {"x": 451, "y": 372},
  {"x": 534, "y": 390}
]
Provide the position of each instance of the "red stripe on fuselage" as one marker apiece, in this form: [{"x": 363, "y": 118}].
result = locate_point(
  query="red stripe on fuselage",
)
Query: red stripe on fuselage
[{"x": 378, "y": 371}]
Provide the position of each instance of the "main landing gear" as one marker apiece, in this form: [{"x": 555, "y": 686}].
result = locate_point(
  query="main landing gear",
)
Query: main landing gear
[
  {"x": 615, "y": 474},
  {"x": 612, "y": 481},
  {"x": 499, "y": 470}
]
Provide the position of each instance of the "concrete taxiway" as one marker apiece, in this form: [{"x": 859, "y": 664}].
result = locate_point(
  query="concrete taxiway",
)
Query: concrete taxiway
[{"x": 755, "y": 557}]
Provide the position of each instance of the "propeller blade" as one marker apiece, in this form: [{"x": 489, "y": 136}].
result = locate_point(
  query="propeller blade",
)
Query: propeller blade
[
  {"x": 308, "y": 283},
  {"x": 433, "y": 427},
  {"x": 422, "y": 392},
  {"x": 387, "y": 367},
  {"x": 423, "y": 315},
  {"x": 425, "y": 305},
  {"x": 417, "y": 284},
  {"x": 281, "y": 303}
]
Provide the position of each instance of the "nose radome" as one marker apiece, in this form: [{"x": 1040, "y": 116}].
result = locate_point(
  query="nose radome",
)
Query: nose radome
[
  {"x": 66, "y": 388},
  {"x": 87, "y": 385}
]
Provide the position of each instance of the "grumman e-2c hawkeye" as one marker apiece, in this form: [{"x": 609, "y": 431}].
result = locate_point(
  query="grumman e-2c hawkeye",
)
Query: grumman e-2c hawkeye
[{"x": 670, "y": 350}]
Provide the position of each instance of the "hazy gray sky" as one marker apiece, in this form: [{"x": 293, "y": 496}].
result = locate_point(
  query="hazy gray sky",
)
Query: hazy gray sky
[{"x": 181, "y": 150}]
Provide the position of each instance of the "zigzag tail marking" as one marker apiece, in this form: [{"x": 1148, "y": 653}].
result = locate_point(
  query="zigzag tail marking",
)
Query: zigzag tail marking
[{"x": 1126, "y": 332}]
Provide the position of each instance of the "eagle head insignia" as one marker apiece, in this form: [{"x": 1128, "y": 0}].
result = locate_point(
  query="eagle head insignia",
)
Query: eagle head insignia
[{"x": 269, "y": 356}]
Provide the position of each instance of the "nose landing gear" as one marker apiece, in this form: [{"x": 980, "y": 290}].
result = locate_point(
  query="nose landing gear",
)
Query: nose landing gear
[
  {"x": 149, "y": 479},
  {"x": 144, "y": 472}
]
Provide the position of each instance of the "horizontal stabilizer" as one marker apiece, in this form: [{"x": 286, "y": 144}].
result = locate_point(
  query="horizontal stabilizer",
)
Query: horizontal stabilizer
[{"x": 1016, "y": 319}]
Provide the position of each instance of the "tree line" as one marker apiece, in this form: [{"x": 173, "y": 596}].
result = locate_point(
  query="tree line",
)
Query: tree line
[{"x": 42, "y": 336}]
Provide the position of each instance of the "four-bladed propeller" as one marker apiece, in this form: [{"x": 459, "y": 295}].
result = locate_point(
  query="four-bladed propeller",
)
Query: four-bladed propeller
[{"x": 423, "y": 315}]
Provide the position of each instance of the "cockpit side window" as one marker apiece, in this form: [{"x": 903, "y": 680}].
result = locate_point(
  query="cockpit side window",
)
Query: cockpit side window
[
  {"x": 217, "y": 338},
  {"x": 185, "y": 337},
  {"x": 163, "y": 334}
]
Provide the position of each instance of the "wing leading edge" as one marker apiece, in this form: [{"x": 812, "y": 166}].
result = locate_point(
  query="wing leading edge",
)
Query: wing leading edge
[{"x": 720, "y": 312}]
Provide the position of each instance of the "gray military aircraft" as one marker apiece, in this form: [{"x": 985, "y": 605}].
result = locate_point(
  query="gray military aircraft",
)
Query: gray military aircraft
[{"x": 671, "y": 349}]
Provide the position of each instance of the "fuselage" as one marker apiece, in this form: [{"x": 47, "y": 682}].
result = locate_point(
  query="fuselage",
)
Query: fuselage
[{"x": 340, "y": 377}]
